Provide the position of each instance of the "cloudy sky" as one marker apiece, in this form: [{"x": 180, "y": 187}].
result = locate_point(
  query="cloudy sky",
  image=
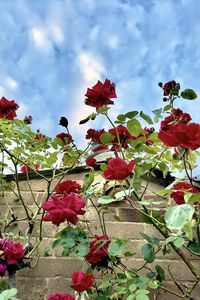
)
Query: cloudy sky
[{"x": 52, "y": 50}]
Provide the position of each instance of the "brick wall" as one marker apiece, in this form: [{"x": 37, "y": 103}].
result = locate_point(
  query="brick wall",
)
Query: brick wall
[{"x": 53, "y": 273}]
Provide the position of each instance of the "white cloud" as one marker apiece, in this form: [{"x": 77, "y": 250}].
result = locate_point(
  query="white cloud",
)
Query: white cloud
[
  {"x": 90, "y": 67},
  {"x": 56, "y": 34},
  {"x": 40, "y": 38},
  {"x": 113, "y": 42},
  {"x": 10, "y": 83}
]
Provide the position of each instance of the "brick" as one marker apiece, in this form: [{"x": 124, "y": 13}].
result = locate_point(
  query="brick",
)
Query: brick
[
  {"x": 12, "y": 199},
  {"x": 64, "y": 266},
  {"x": 59, "y": 284},
  {"x": 30, "y": 288}
]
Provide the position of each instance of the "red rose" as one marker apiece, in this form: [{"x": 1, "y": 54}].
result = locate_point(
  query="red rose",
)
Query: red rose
[
  {"x": 13, "y": 252},
  {"x": 121, "y": 135},
  {"x": 61, "y": 296},
  {"x": 94, "y": 135},
  {"x": 91, "y": 162},
  {"x": 82, "y": 281},
  {"x": 28, "y": 119},
  {"x": 185, "y": 135},
  {"x": 177, "y": 116},
  {"x": 118, "y": 169},
  {"x": 68, "y": 186},
  {"x": 179, "y": 190},
  {"x": 67, "y": 208},
  {"x": 100, "y": 94},
  {"x": 8, "y": 108},
  {"x": 65, "y": 137},
  {"x": 98, "y": 250},
  {"x": 25, "y": 169},
  {"x": 169, "y": 86}
]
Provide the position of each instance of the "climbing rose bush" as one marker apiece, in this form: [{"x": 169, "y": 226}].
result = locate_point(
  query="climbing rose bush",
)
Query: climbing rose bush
[{"x": 115, "y": 163}]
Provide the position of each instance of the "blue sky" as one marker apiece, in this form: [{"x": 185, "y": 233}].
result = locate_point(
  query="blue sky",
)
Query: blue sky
[{"x": 51, "y": 51}]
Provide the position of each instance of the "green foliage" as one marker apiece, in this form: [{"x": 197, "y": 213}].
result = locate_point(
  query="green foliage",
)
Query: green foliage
[
  {"x": 177, "y": 216},
  {"x": 146, "y": 118},
  {"x": 71, "y": 240},
  {"x": 148, "y": 253},
  {"x": 8, "y": 294},
  {"x": 188, "y": 94},
  {"x": 106, "y": 138},
  {"x": 134, "y": 127},
  {"x": 117, "y": 247}
]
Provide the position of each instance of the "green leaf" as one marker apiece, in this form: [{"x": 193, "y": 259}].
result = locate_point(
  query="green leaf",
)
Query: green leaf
[
  {"x": 160, "y": 273},
  {"x": 177, "y": 216},
  {"x": 194, "y": 198},
  {"x": 167, "y": 107},
  {"x": 131, "y": 297},
  {"x": 121, "y": 118},
  {"x": 7, "y": 294},
  {"x": 88, "y": 180},
  {"x": 194, "y": 247},
  {"x": 142, "y": 297},
  {"x": 179, "y": 242},
  {"x": 150, "y": 239},
  {"x": 189, "y": 94},
  {"x": 157, "y": 112},
  {"x": 131, "y": 114},
  {"x": 134, "y": 127},
  {"x": 132, "y": 287},
  {"x": 106, "y": 138},
  {"x": 174, "y": 92},
  {"x": 146, "y": 117},
  {"x": 82, "y": 249},
  {"x": 137, "y": 141},
  {"x": 102, "y": 110},
  {"x": 148, "y": 253},
  {"x": 106, "y": 200},
  {"x": 116, "y": 247}
]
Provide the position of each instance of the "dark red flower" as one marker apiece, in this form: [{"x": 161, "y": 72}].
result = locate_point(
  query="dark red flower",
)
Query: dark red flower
[
  {"x": 94, "y": 135},
  {"x": 28, "y": 119},
  {"x": 8, "y": 108},
  {"x": 64, "y": 209},
  {"x": 61, "y": 296},
  {"x": 185, "y": 135},
  {"x": 3, "y": 268},
  {"x": 13, "y": 252},
  {"x": 176, "y": 117},
  {"x": 91, "y": 162},
  {"x": 82, "y": 281},
  {"x": 98, "y": 250},
  {"x": 169, "y": 86},
  {"x": 121, "y": 135},
  {"x": 39, "y": 136},
  {"x": 179, "y": 190},
  {"x": 100, "y": 94},
  {"x": 65, "y": 137},
  {"x": 118, "y": 169},
  {"x": 27, "y": 168},
  {"x": 68, "y": 186}
]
